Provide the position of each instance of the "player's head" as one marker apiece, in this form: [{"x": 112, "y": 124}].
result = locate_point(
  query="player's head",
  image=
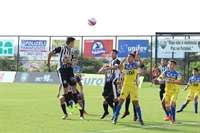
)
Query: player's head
[
  {"x": 131, "y": 58},
  {"x": 75, "y": 60},
  {"x": 195, "y": 71},
  {"x": 163, "y": 62},
  {"x": 70, "y": 42},
  {"x": 172, "y": 64},
  {"x": 114, "y": 53}
]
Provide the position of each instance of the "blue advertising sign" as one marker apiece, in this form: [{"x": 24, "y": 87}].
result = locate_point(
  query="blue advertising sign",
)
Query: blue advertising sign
[{"x": 128, "y": 46}]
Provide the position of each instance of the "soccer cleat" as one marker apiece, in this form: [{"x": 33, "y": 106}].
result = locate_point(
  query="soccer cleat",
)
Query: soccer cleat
[
  {"x": 124, "y": 115},
  {"x": 134, "y": 118},
  {"x": 114, "y": 120},
  {"x": 104, "y": 115},
  {"x": 141, "y": 122},
  {"x": 196, "y": 112},
  {"x": 78, "y": 106},
  {"x": 82, "y": 118},
  {"x": 168, "y": 118},
  {"x": 178, "y": 111},
  {"x": 64, "y": 116},
  {"x": 70, "y": 109},
  {"x": 173, "y": 122},
  {"x": 85, "y": 112}
]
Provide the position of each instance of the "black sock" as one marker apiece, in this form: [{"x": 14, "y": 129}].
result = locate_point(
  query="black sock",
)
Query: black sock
[
  {"x": 127, "y": 104},
  {"x": 64, "y": 108},
  {"x": 110, "y": 102},
  {"x": 105, "y": 107},
  {"x": 81, "y": 112},
  {"x": 66, "y": 99},
  {"x": 116, "y": 103},
  {"x": 75, "y": 98},
  {"x": 134, "y": 110}
]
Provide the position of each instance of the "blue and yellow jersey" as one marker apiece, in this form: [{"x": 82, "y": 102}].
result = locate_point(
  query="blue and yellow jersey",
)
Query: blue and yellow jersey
[
  {"x": 130, "y": 74},
  {"x": 171, "y": 76},
  {"x": 195, "y": 83},
  {"x": 78, "y": 72}
]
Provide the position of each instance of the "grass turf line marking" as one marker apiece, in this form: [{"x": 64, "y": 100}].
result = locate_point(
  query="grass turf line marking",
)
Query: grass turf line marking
[{"x": 144, "y": 127}]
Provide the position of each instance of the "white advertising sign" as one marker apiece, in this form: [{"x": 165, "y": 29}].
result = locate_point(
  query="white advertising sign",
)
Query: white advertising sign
[
  {"x": 165, "y": 54},
  {"x": 34, "y": 46},
  {"x": 6, "y": 76},
  {"x": 182, "y": 45}
]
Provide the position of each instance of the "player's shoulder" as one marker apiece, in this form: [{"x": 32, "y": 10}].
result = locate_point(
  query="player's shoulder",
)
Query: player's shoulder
[
  {"x": 177, "y": 72},
  {"x": 78, "y": 67}
]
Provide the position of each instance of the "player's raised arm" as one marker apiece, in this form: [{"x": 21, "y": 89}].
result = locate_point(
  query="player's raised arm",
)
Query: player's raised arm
[
  {"x": 101, "y": 70},
  {"x": 54, "y": 51},
  {"x": 121, "y": 63},
  {"x": 144, "y": 69},
  {"x": 138, "y": 57},
  {"x": 161, "y": 77}
]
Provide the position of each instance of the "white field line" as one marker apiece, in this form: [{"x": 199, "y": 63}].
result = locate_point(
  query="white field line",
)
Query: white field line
[{"x": 142, "y": 127}]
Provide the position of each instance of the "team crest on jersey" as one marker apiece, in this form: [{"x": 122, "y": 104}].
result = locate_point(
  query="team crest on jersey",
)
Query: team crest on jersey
[{"x": 98, "y": 48}]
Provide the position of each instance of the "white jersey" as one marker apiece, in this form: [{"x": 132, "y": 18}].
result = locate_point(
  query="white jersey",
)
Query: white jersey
[
  {"x": 63, "y": 54},
  {"x": 111, "y": 75}
]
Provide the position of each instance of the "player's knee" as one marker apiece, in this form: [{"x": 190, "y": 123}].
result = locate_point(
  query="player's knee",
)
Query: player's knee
[
  {"x": 172, "y": 104},
  {"x": 62, "y": 99},
  {"x": 195, "y": 98},
  {"x": 104, "y": 101}
]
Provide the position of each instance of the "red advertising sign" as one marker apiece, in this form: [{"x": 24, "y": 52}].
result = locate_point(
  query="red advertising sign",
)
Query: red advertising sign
[
  {"x": 1, "y": 76},
  {"x": 98, "y": 48}
]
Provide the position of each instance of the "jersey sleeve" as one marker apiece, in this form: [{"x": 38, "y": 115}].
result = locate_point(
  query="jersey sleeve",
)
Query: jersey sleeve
[
  {"x": 189, "y": 82},
  {"x": 116, "y": 63},
  {"x": 57, "y": 50},
  {"x": 143, "y": 66},
  {"x": 178, "y": 76},
  {"x": 163, "y": 75}
]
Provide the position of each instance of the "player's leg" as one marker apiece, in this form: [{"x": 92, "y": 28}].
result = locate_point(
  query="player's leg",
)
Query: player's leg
[
  {"x": 127, "y": 102},
  {"x": 83, "y": 102},
  {"x": 114, "y": 92},
  {"x": 62, "y": 104},
  {"x": 134, "y": 98},
  {"x": 107, "y": 100},
  {"x": 65, "y": 86},
  {"x": 70, "y": 108},
  {"x": 72, "y": 81},
  {"x": 196, "y": 102},
  {"x": 166, "y": 107},
  {"x": 173, "y": 106},
  {"x": 123, "y": 95},
  {"x": 189, "y": 98},
  {"x": 161, "y": 92},
  {"x": 134, "y": 113}
]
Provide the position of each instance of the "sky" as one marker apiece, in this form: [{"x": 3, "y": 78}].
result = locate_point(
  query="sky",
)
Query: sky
[{"x": 114, "y": 17}]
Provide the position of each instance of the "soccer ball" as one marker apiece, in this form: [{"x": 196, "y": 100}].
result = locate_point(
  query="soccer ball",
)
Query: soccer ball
[{"x": 92, "y": 21}]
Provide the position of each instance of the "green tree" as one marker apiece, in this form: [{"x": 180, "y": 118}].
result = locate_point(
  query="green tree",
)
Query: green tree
[{"x": 10, "y": 64}]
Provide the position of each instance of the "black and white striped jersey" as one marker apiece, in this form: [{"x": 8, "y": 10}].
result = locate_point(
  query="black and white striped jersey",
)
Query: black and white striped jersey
[
  {"x": 161, "y": 69},
  {"x": 111, "y": 75},
  {"x": 63, "y": 54}
]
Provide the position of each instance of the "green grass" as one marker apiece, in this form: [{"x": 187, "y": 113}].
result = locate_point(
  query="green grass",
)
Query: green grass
[{"x": 34, "y": 108}]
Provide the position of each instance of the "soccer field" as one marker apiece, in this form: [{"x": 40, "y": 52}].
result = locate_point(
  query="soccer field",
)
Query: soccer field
[{"x": 34, "y": 108}]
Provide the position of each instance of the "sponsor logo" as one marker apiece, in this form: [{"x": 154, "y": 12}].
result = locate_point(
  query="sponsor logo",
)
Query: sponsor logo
[
  {"x": 24, "y": 77},
  {"x": 98, "y": 48}
]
